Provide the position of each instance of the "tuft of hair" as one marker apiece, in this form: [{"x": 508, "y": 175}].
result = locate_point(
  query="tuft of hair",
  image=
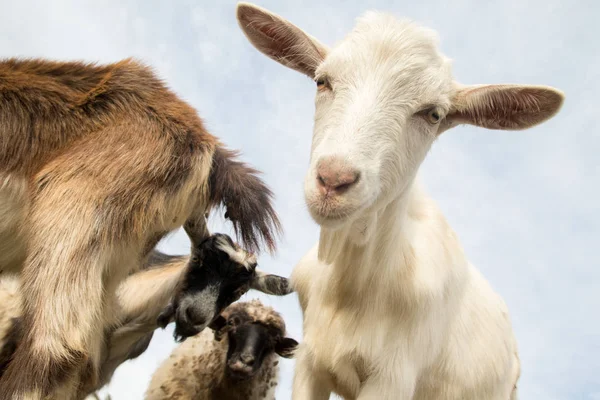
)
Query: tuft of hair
[
  {"x": 237, "y": 254},
  {"x": 258, "y": 312},
  {"x": 247, "y": 199},
  {"x": 10, "y": 343}
]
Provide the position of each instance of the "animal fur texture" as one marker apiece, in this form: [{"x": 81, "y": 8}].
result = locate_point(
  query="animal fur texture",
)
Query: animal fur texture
[
  {"x": 10, "y": 313},
  {"x": 97, "y": 164},
  {"x": 392, "y": 307},
  {"x": 197, "y": 369},
  {"x": 141, "y": 298}
]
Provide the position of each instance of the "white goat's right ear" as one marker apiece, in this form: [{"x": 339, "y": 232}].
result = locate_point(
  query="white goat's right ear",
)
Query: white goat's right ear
[
  {"x": 280, "y": 40},
  {"x": 506, "y": 107}
]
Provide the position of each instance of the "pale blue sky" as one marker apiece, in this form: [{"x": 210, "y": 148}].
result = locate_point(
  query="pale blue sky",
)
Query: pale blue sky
[{"x": 525, "y": 204}]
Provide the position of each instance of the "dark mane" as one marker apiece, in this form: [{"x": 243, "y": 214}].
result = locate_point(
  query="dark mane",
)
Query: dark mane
[{"x": 247, "y": 199}]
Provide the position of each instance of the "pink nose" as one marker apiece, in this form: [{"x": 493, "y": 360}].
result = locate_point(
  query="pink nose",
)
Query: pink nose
[{"x": 335, "y": 176}]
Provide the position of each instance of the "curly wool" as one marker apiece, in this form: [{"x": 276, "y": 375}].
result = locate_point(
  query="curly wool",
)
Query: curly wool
[
  {"x": 196, "y": 369},
  {"x": 258, "y": 312}
]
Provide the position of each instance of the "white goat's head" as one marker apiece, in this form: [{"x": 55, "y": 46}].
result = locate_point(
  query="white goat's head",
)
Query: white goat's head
[{"x": 384, "y": 94}]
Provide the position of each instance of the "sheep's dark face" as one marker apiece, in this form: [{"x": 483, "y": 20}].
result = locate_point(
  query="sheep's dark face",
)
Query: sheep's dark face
[
  {"x": 219, "y": 272},
  {"x": 250, "y": 342}
]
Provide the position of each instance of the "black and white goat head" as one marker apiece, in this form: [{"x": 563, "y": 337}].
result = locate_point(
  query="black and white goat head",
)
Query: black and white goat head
[{"x": 219, "y": 272}]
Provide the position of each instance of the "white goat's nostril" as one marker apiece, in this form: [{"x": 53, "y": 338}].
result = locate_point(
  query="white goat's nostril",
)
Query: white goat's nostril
[{"x": 333, "y": 175}]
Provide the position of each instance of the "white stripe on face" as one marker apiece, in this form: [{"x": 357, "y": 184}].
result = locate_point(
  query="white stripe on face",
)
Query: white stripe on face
[{"x": 237, "y": 254}]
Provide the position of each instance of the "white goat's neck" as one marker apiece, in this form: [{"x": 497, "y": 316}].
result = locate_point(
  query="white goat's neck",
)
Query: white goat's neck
[{"x": 376, "y": 247}]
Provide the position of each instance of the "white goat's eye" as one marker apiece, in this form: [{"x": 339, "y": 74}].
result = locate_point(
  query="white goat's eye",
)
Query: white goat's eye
[
  {"x": 322, "y": 83},
  {"x": 433, "y": 116}
]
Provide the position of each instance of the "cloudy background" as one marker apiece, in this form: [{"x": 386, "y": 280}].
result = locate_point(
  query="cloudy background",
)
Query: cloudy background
[{"x": 525, "y": 204}]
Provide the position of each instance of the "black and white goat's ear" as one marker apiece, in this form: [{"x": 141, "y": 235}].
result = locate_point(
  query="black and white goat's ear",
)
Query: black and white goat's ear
[
  {"x": 506, "y": 107},
  {"x": 218, "y": 325},
  {"x": 166, "y": 316},
  {"x": 271, "y": 284},
  {"x": 286, "y": 347},
  {"x": 196, "y": 229},
  {"x": 280, "y": 40}
]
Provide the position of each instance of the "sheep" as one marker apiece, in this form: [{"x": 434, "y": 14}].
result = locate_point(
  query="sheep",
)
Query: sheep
[
  {"x": 144, "y": 295},
  {"x": 237, "y": 362},
  {"x": 97, "y": 164},
  {"x": 392, "y": 308}
]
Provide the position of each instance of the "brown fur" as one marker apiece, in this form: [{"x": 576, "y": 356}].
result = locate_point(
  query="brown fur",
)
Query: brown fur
[
  {"x": 228, "y": 186},
  {"x": 10, "y": 343},
  {"x": 136, "y": 310},
  {"x": 139, "y": 301},
  {"x": 112, "y": 160}
]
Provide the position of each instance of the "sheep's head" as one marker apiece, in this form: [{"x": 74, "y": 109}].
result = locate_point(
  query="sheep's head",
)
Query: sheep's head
[
  {"x": 383, "y": 95},
  {"x": 219, "y": 272},
  {"x": 254, "y": 332}
]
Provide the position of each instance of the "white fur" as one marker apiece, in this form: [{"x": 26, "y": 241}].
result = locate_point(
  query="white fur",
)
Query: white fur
[
  {"x": 237, "y": 254},
  {"x": 392, "y": 307}
]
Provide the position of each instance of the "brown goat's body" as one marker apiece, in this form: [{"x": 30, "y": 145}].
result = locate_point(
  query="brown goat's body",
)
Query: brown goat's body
[{"x": 97, "y": 164}]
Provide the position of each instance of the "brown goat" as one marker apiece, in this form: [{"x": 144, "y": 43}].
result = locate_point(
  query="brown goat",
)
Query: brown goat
[
  {"x": 143, "y": 296},
  {"x": 97, "y": 164}
]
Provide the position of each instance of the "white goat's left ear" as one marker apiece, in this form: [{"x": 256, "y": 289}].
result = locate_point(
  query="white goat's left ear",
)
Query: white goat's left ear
[
  {"x": 506, "y": 107},
  {"x": 280, "y": 40}
]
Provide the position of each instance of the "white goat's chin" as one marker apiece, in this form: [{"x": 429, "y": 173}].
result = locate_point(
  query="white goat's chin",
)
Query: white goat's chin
[
  {"x": 329, "y": 221},
  {"x": 328, "y": 214}
]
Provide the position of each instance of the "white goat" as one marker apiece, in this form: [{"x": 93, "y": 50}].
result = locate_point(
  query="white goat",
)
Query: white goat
[{"x": 392, "y": 307}]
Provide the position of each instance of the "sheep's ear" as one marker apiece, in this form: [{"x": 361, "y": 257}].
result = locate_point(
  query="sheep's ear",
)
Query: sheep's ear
[
  {"x": 506, "y": 107},
  {"x": 218, "y": 325},
  {"x": 280, "y": 40},
  {"x": 271, "y": 284},
  {"x": 286, "y": 347},
  {"x": 196, "y": 230},
  {"x": 166, "y": 316}
]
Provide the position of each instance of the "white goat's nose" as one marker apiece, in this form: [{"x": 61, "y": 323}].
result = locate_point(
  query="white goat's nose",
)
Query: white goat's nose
[{"x": 334, "y": 175}]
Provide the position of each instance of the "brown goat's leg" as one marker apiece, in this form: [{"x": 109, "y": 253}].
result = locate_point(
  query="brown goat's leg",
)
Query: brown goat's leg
[
  {"x": 64, "y": 280},
  {"x": 57, "y": 348},
  {"x": 13, "y": 211}
]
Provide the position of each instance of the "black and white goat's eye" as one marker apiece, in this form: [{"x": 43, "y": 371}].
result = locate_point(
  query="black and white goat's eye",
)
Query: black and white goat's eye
[{"x": 433, "y": 116}]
